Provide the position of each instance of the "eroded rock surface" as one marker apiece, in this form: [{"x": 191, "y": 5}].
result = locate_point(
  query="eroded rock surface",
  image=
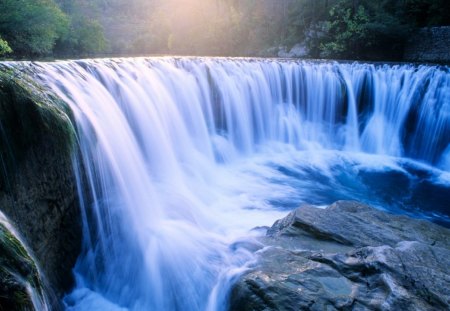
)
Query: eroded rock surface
[{"x": 348, "y": 256}]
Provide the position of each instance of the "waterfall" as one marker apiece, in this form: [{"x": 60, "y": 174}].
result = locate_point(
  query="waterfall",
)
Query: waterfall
[{"x": 182, "y": 157}]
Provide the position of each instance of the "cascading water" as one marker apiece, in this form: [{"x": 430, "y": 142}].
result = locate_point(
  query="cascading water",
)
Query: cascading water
[{"x": 183, "y": 156}]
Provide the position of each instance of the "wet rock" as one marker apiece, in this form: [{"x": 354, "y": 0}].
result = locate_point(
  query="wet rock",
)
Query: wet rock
[
  {"x": 21, "y": 286},
  {"x": 348, "y": 256},
  {"x": 37, "y": 184}
]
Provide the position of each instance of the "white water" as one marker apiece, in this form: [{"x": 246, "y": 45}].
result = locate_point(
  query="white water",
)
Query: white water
[{"x": 184, "y": 156}]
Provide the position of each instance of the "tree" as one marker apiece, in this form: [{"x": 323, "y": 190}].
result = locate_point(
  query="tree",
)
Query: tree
[
  {"x": 31, "y": 27},
  {"x": 85, "y": 36},
  {"x": 307, "y": 19},
  {"x": 347, "y": 31},
  {"x": 366, "y": 29},
  {"x": 85, "y": 33},
  {"x": 424, "y": 13}
]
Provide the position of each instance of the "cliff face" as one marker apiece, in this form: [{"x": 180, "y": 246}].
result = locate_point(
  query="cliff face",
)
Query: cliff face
[
  {"x": 37, "y": 184},
  {"x": 429, "y": 45}
]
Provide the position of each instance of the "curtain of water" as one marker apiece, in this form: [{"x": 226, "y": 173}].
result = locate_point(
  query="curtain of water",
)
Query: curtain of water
[{"x": 158, "y": 139}]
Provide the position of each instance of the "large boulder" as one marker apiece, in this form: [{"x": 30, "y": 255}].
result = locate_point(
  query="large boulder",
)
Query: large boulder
[
  {"x": 348, "y": 256},
  {"x": 37, "y": 183}
]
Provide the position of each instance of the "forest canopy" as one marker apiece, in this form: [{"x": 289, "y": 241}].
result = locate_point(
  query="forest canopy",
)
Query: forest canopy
[{"x": 327, "y": 28}]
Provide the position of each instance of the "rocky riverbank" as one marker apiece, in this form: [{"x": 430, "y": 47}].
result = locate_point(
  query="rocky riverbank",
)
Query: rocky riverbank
[{"x": 348, "y": 256}]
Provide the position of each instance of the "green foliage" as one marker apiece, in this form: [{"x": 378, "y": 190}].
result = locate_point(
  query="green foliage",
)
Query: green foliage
[
  {"x": 31, "y": 27},
  {"x": 84, "y": 37},
  {"x": 304, "y": 15},
  {"x": 347, "y": 31},
  {"x": 85, "y": 34},
  {"x": 329, "y": 28},
  {"x": 371, "y": 30},
  {"x": 91, "y": 39},
  {"x": 39, "y": 27},
  {"x": 361, "y": 28},
  {"x": 4, "y": 47}
]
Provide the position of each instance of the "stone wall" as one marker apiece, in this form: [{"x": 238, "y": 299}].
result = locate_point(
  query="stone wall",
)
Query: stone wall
[{"x": 429, "y": 45}]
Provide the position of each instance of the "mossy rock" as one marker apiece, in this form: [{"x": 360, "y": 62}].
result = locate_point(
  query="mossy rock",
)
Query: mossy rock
[
  {"x": 38, "y": 190},
  {"x": 20, "y": 283},
  {"x": 29, "y": 114}
]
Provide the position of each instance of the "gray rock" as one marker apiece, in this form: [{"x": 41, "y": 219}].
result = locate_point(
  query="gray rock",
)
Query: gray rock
[
  {"x": 348, "y": 257},
  {"x": 299, "y": 50},
  {"x": 283, "y": 52}
]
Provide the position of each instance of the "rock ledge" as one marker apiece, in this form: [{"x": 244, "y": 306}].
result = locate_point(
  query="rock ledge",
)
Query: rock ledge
[{"x": 348, "y": 256}]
